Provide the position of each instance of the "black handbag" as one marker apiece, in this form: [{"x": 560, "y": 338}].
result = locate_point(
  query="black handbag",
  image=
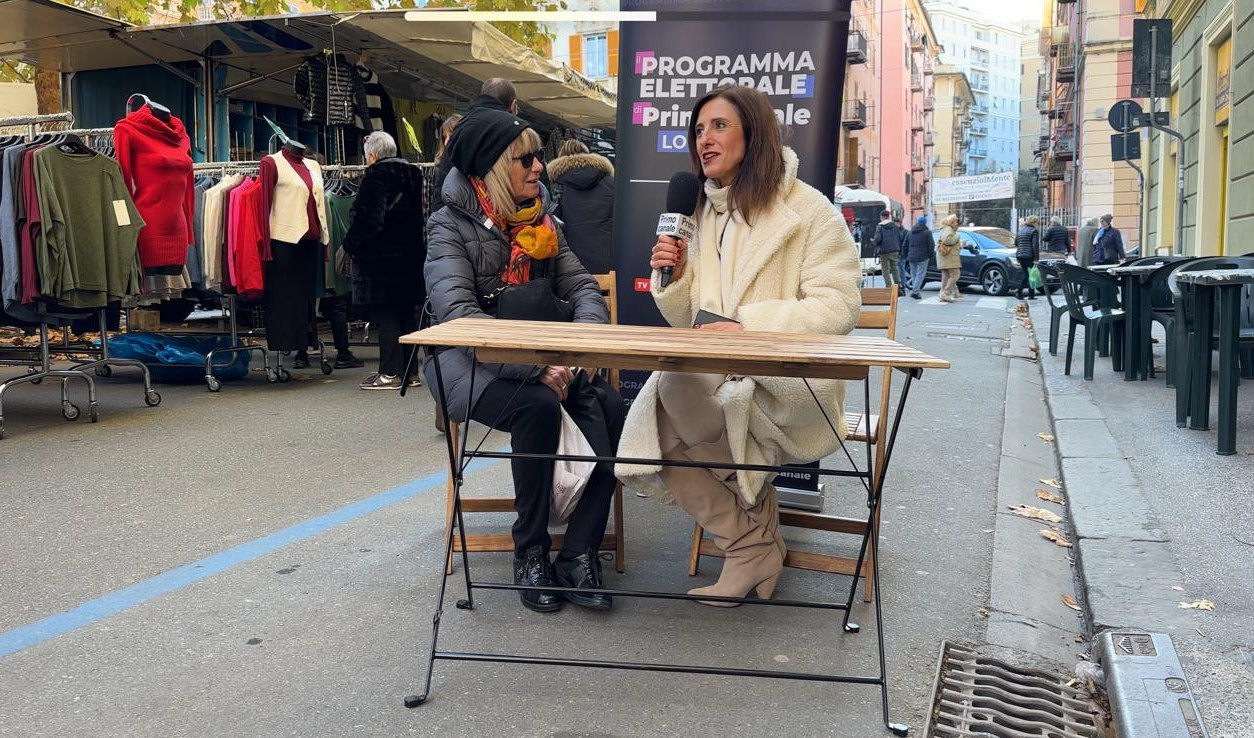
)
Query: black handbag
[{"x": 534, "y": 300}]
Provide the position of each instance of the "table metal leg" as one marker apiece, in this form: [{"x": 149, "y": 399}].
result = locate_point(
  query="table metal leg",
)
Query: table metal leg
[
  {"x": 1229, "y": 328},
  {"x": 1145, "y": 320},
  {"x": 1200, "y": 360},
  {"x": 1132, "y": 328}
]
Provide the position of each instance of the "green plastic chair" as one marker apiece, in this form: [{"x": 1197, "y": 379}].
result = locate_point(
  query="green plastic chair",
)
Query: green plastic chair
[{"x": 1094, "y": 314}]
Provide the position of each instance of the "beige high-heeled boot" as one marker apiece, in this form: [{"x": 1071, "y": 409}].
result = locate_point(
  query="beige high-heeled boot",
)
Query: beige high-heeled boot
[{"x": 749, "y": 539}]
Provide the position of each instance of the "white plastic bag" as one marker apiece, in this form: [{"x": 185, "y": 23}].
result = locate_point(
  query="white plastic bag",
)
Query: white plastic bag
[
  {"x": 569, "y": 477},
  {"x": 1072, "y": 260}
]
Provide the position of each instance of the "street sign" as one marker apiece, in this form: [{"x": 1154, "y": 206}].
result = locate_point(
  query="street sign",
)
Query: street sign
[
  {"x": 1151, "y": 54},
  {"x": 995, "y": 186},
  {"x": 1125, "y": 146},
  {"x": 1124, "y": 115}
]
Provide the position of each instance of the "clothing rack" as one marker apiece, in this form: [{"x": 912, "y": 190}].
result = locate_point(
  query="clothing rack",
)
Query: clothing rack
[{"x": 41, "y": 366}]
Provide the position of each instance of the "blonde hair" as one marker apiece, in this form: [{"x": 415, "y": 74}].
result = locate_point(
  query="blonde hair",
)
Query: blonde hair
[
  {"x": 571, "y": 147},
  {"x": 951, "y": 220},
  {"x": 497, "y": 179},
  {"x": 1032, "y": 221}
]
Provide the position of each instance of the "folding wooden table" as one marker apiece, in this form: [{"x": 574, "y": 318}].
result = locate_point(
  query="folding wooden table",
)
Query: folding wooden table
[{"x": 677, "y": 350}]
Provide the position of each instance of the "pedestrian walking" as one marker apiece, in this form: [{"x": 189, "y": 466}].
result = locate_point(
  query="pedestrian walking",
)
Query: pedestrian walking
[
  {"x": 385, "y": 241},
  {"x": 920, "y": 245},
  {"x": 887, "y": 242},
  {"x": 1027, "y": 251},
  {"x": 1057, "y": 237},
  {"x": 583, "y": 193},
  {"x": 1085, "y": 239},
  {"x": 949, "y": 259},
  {"x": 1108, "y": 243},
  {"x": 771, "y": 254}
]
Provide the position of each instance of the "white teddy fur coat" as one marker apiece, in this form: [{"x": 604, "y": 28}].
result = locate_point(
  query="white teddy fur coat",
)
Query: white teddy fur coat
[{"x": 799, "y": 274}]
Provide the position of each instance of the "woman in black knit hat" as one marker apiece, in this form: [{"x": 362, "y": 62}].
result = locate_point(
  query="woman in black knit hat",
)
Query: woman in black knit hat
[{"x": 491, "y": 235}]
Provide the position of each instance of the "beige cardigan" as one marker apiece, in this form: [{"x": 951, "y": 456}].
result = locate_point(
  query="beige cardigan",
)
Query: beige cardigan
[{"x": 798, "y": 274}]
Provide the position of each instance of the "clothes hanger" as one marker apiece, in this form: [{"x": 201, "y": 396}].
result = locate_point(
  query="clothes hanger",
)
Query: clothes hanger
[
  {"x": 72, "y": 144},
  {"x": 157, "y": 108}
]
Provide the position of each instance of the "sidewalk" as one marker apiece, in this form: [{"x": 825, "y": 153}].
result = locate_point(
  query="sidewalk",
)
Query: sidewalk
[{"x": 1158, "y": 520}]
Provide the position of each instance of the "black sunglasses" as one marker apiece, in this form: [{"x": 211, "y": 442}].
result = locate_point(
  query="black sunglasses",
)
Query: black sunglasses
[{"x": 528, "y": 159}]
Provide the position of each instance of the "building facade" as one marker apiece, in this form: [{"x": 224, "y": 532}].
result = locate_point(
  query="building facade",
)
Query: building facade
[
  {"x": 906, "y": 101},
  {"x": 1087, "y": 68},
  {"x": 590, "y": 48},
  {"x": 1030, "y": 64},
  {"x": 1211, "y": 104},
  {"x": 952, "y": 122},
  {"x": 988, "y": 53},
  {"x": 860, "y": 161}
]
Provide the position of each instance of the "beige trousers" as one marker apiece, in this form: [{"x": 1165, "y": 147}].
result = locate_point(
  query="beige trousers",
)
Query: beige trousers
[{"x": 949, "y": 284}]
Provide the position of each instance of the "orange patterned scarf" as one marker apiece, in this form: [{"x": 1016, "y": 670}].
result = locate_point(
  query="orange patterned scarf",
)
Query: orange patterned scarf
[{"x": 530, "y": 232}]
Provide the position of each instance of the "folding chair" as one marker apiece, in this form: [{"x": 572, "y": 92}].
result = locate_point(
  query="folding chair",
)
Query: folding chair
[
  {"x": 863, "y": 427},
  {"x": 504, "y": 542}
]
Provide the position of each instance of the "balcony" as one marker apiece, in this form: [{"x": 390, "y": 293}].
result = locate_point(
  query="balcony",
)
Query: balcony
[
  {"x": 1054, "y": 172},
  {"x": 929, "y": 104},
  {"x": 916, "y": 163},
  {"x": 918, "y": 198},
  {"x": 859, "y": 48},
  {"x": 929, "y": 138},
  {"x": 1063, "y": 110},
  {"x": 917, "y": 125},
  {"x": 1064, "y": 147},
  {"x": 854, "y": 117},
  {"x": 979, "y": 128},
  {"x": 1066, "y": 63},
  {"x": 916, "y": 81},
  {"x": 916, "y": 42},
  {"x": 979, "y": 151},
  {"x": 853, "y": 176},
  {"x": 979, "y": 60}
]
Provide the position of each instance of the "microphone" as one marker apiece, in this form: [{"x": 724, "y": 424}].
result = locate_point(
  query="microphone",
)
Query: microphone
[{"x": 681, "y": 203}]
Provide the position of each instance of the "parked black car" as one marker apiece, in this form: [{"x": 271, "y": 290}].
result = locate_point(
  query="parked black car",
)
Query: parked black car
[{"x": 988, "y": 260}]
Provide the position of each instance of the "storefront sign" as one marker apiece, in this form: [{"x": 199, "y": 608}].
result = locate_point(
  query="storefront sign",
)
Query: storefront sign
[
  {"x": 1223, "y": 82},
  {"x": 996, "y": 186}
]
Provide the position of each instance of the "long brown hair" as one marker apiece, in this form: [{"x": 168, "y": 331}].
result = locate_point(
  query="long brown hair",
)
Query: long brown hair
[{"x": 757, "y": 182}]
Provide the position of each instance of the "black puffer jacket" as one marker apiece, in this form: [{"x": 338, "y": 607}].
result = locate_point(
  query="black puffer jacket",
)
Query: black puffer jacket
[
  {"x": 331, "y": 91},
  {"x": 1028, "y": 243},
  {"x": 1057, "y": 238},
  {"x": 583, "y": 187},
  {"x": 385, "y": 237},
  {"x": 464, "y": 262},
  {"x": 920, "y": 244}
]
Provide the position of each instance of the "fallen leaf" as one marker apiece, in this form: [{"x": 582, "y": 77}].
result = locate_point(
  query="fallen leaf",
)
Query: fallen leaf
[
  {"x": 1056, "y": 537},
  {"x": 1069, "y": 601},
  {"x": 1056, "y": 484},
  {"x": 1047, "y": 438},
  {"x": 1048, "y": 496},
  {"x": 1178, "y": 589},
  {"x": 1198, "y": 605},
  {"x": 983, "y": 611},
  {"x": 1036, "y": 513}
]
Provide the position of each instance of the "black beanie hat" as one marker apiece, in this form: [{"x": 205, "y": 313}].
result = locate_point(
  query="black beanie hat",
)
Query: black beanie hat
[{"x": 480, "y": 138}]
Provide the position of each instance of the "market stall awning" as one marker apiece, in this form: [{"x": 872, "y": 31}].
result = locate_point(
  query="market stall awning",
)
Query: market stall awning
[{"x": 422, "y": 60}]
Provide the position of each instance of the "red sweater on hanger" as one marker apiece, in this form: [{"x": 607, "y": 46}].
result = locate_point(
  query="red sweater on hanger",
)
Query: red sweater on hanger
[{"x": 157, "y": 164}]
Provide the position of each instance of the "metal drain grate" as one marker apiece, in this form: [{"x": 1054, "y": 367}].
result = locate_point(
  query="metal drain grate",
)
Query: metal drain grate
[{"x": 979, "y": 697}]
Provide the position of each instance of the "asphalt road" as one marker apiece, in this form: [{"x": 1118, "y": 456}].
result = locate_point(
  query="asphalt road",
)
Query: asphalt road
[{"x": 264, "y": 561}]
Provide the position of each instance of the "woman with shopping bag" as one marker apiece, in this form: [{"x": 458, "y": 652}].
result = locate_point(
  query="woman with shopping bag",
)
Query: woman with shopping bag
[{"x": 493, "y": 252}]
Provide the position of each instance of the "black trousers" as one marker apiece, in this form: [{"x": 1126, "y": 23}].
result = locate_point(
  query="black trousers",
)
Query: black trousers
[
  {"x": 393, "y": 321},
  {"x": 533, "y": 421},
  {"x": 335, "y": 309},
  {"x": 1026, "y": 264},
  {"x": 290, "y": 275}
]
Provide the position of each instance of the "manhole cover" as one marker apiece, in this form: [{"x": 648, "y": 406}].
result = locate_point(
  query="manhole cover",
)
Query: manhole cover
[{"x": 981, "y": 697}]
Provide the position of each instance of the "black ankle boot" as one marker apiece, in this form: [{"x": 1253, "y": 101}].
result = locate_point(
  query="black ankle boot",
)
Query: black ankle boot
[
  {"x": 533, "y": 569},
  {"x": 584, "y": 572}
]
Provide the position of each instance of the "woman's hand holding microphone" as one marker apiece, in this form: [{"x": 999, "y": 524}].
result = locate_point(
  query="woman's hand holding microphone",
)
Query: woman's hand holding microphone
[{"x": 670, "y": 252}]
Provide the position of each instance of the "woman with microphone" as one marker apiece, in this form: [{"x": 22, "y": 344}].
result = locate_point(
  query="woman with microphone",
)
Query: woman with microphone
[{"x": 771, "y": 254}]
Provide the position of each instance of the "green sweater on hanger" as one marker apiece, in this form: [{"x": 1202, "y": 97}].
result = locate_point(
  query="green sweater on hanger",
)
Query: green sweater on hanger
[{"x": 87, "y": 249}]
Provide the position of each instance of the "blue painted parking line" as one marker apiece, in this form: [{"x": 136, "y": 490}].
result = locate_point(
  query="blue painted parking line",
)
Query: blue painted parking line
[{"x": 32, "y": 634}]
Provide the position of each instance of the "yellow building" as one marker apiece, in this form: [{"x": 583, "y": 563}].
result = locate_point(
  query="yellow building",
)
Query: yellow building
[
  {"x": 1211, "y": 105},
  {"x": 951, "y": 123}
]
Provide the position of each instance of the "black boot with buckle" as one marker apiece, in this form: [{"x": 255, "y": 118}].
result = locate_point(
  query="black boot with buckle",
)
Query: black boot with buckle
[
  {"x": 582, "y": 572},
  {"x": 533, "y": 569}
]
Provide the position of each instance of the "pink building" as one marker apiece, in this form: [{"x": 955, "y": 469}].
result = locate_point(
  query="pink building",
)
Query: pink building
[{"x": 907, "y": 54}]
